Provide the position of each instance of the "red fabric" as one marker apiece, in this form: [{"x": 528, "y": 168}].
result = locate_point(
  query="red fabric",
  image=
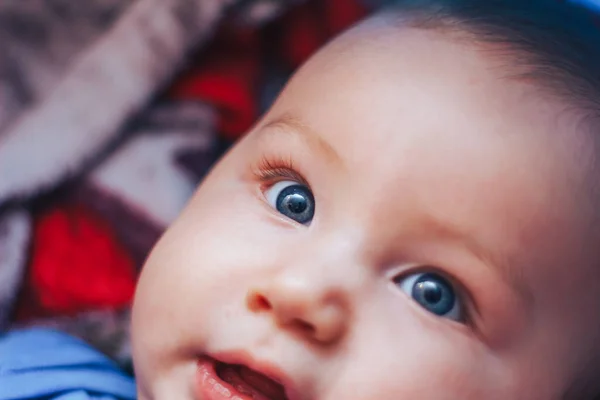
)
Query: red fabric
[
  {"x": 311, "y": 25},
  {"x": 304, "y": 33},
  {"x": 341, "y": 14},
  {"x": 226, "y": 77},
  {"x": 77, "y": 265}
]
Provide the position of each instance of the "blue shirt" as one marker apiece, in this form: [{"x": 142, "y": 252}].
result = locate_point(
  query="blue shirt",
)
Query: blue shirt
[{"x": 46, "y": 364}]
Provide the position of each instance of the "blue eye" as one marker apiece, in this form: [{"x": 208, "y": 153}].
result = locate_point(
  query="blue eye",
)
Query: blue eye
[
  {"x": 293, "y": 200},
  {"x": 432, "y": 292}
]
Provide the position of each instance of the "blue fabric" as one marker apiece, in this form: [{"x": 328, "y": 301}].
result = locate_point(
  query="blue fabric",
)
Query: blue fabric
[
  {"x": 593, "y": 4},
  {"x": 46, "y": 364}
]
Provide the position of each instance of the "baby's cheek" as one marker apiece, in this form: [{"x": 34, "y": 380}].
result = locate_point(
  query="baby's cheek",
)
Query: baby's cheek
[
  {"x": 423, "y": 372},
  {"x": 213, "y": 254},
  {"x": 406, "y": 359}
]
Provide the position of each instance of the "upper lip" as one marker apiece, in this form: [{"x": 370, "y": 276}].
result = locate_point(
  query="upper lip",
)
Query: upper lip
[{"x": 266, "y": 368}]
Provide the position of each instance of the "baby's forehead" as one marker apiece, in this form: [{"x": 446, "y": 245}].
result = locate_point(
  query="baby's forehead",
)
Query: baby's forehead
[
  {"x": 426, "y": 71},
  {"x": 379, "y": 71},
  {"x": 378, "y": 50}
]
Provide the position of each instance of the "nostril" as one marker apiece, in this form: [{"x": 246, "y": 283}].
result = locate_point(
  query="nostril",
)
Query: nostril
[
  {"x": 263, "y": 303},
  {"x": 304, "y": 326},
  {"x": 258, "y": 302}
]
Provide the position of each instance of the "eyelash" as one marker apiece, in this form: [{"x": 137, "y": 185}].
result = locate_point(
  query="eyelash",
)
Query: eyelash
[{"x": 269, "y": 170}]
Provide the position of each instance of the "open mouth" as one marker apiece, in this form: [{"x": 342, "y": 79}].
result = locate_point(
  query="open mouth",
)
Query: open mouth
[{"x": 221, "y": 381}]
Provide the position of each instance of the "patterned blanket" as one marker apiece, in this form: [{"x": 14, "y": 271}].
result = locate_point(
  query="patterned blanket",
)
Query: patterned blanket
[{"x": 111, "y": 111}]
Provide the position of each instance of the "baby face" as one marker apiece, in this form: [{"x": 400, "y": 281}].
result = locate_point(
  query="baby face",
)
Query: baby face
[{"x": 404, "y": 223}]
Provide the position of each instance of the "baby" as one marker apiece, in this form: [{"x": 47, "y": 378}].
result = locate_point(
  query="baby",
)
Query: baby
[{"x": 416, "y": 217}]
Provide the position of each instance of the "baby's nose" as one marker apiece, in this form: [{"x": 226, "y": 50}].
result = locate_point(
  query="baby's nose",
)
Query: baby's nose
[{"x": 317, "y": 312}]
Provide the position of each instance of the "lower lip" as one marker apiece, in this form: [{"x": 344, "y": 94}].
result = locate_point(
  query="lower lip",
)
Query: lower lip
[{"x": 210, "y": 387}]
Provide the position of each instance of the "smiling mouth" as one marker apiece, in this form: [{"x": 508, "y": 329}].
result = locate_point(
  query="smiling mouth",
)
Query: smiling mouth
[{"x": 220, "y": 381}]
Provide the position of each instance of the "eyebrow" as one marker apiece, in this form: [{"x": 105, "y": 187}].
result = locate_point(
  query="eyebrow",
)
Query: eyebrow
[
  {"x": 287, "y": 123},
  {"x": 502, "y": 265}
]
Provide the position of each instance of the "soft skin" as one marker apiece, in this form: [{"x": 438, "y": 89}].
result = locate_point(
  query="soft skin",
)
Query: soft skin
[{"x": 421, "y": 157}]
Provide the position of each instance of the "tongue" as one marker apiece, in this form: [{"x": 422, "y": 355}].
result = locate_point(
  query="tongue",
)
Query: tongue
[
  {"x": 252, "y": 383},
  {"x": 269, "y": 387}
]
